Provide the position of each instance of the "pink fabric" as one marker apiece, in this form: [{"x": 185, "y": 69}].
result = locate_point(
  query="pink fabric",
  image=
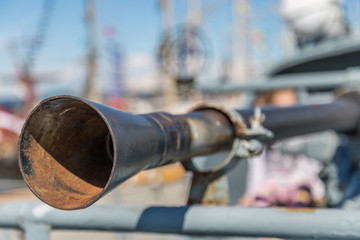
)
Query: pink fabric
[{"x": 275, "y": 178}]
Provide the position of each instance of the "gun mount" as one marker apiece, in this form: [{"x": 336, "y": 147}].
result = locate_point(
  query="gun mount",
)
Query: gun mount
[{"x": 73, "y": 151}]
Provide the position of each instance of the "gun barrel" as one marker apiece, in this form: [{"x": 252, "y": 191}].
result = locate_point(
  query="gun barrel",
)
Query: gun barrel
[
  {"x": 341, "y": 115},
  {"x": 73, "y": 151}
]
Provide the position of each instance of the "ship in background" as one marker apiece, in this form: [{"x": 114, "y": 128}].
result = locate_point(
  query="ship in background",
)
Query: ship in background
[
  {"x": 324, "y": 39},
  {"x": 325, "y": 54},
  {"x": 327, "y": 46}
]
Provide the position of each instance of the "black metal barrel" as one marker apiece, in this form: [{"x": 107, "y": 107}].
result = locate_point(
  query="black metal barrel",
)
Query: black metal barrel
[
  {"x": 341, "y": 115},
  {"x": 73, "y": 151}
]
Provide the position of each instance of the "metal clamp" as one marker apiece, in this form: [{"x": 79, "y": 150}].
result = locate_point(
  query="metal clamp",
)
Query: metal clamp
[
  {"x": 244, "y": 145},
  {"x": 256, "y": 128}
]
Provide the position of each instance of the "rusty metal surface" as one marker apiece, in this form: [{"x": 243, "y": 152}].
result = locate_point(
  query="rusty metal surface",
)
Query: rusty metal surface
[
  {"x": 209, "y": 189},
  {"x": 211, "y": 131},
  {"x": 73, "y": 151},
  {"x": 217, "y": 193},
  {"x": 63, "y": 153}
]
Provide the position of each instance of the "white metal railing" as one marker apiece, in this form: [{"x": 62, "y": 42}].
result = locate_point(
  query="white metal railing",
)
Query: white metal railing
[{"x": 37, "y": 220}]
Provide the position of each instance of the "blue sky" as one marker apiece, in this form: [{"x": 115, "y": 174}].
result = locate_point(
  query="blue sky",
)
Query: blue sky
[{"x": 137, "y": 25}]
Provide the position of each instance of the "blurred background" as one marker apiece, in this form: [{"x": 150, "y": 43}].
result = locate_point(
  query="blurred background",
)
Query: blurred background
[
  {"x": 143, "y": 56},
  {"x": 114, "y": 48}
]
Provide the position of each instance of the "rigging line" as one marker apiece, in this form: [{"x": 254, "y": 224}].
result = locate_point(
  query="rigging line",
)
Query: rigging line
[{"x": 39, "y": 39}]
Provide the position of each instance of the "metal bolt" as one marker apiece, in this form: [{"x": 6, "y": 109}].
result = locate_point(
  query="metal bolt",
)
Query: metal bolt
[{"x": 254, "y": 147}]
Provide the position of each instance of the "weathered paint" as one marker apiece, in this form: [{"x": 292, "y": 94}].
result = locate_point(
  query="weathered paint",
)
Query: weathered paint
[{"x": 193, "y": 220}]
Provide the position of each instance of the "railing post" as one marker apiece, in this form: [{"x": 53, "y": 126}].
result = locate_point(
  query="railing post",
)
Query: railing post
[{"x": 37, "y": 231}]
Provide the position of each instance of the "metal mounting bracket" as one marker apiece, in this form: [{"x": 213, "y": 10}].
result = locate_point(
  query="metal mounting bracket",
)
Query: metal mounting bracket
[{"x": 244, "y": 145}]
